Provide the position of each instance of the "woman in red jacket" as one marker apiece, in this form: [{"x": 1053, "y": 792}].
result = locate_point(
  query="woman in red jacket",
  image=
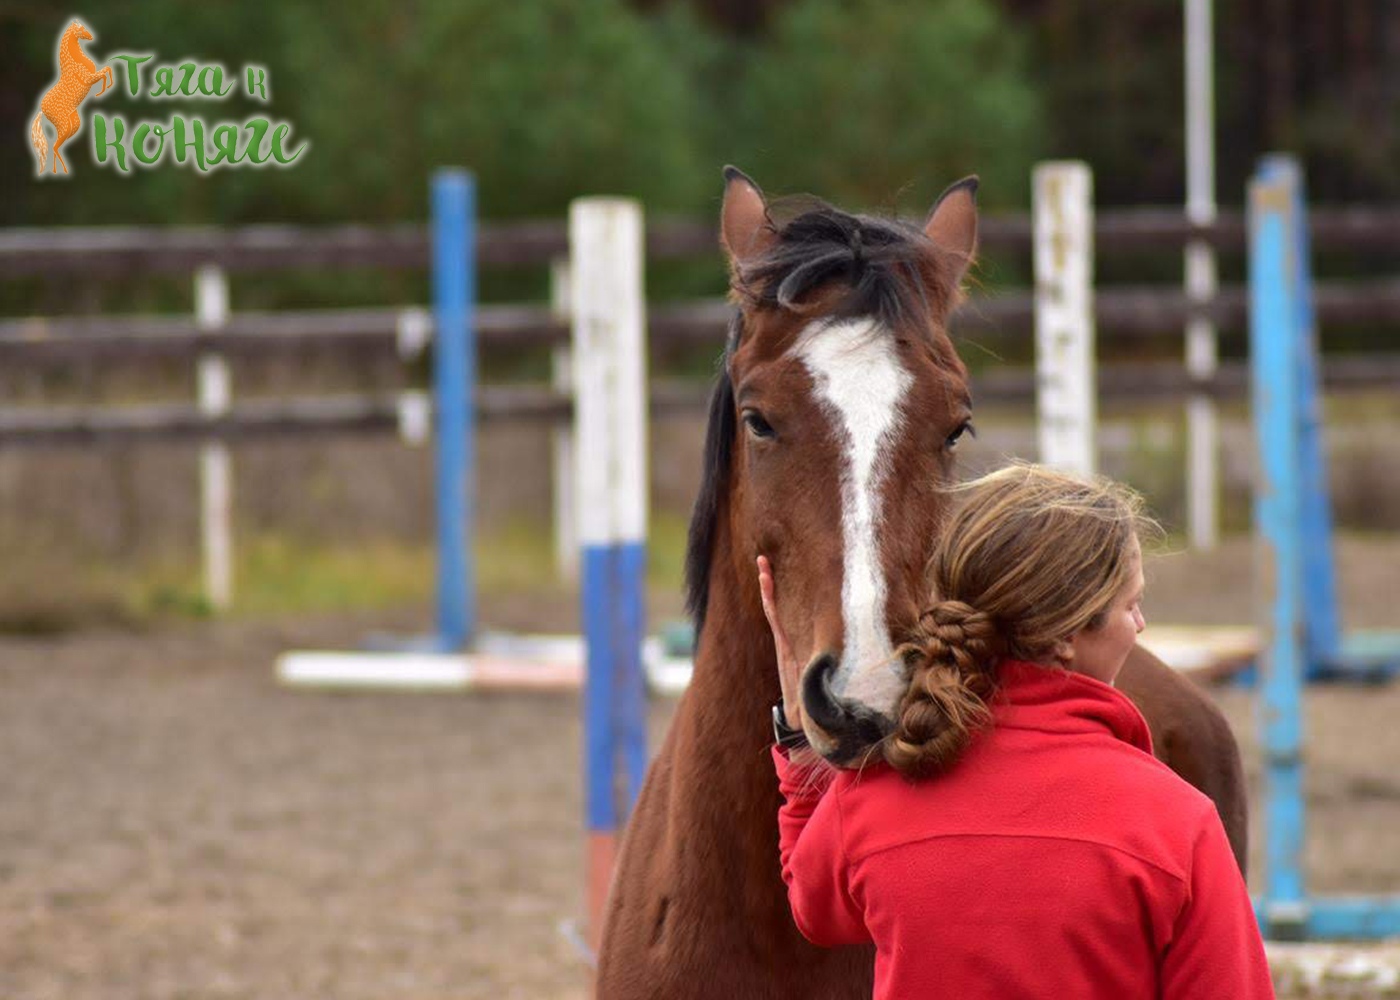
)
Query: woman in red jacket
[{"x": 1019, "y": 839}]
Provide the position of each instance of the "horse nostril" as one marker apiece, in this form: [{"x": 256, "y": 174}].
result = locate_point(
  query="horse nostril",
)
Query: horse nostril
[
  {"x": 818, "y": 701},
  {"x": 853, "y": 728}
]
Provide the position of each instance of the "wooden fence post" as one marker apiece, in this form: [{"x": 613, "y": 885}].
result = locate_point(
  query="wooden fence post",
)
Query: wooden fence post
[
  {"x": 1064, "y": 315},
  {"x": 1202, "y": 352},
  {"x": 215, "y": 465},
  {"x": 562, "y": 437}
]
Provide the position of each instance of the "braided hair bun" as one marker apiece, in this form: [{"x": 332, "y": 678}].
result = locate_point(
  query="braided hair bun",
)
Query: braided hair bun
[{"x": 950, "y": 665}]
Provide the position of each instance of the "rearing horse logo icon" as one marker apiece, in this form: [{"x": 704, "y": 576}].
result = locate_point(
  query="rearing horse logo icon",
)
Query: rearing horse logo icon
[{"x": 76, "y": 75}]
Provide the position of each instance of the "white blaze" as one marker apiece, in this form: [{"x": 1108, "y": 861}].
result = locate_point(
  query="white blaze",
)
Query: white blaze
[{"x": 861, "y": 382}]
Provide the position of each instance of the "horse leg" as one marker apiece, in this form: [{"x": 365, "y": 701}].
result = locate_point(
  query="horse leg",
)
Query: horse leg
[
  {"x": 64, "y": 134},
  {"x": 1191, "y": 736},
  {"x": 39, "y": 141}
]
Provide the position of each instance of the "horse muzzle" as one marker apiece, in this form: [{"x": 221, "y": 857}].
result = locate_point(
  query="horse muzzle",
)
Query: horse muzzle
[{"x": 842, "y": 732}]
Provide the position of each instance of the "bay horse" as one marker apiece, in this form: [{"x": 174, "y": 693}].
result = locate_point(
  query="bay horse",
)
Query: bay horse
[{"x": 832, "y": 426}]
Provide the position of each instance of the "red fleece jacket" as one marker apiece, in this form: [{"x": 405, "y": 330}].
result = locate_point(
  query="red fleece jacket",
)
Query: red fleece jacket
[{"x": 1057, "y": 858}]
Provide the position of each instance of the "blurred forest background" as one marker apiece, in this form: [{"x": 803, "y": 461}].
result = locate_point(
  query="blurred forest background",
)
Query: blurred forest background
[
  {"x": 874, "y": 104},
  {"x": 868, "y": 102}
]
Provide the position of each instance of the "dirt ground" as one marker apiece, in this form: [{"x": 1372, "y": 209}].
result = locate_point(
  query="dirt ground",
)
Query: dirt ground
[{"x": 175, "y": 825}]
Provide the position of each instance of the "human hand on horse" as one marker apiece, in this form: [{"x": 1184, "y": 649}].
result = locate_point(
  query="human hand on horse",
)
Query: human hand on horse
[{"x": 789, "y": 668}]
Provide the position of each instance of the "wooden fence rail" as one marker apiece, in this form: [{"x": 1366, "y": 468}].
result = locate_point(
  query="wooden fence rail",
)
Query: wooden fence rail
[
  {"x": 1120, "y": 311},
  {"x": 61, "y": 426},
  {"x": 124, "y": 250}
]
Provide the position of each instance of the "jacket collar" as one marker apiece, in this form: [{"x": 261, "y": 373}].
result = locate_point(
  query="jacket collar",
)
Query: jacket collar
[{"x": 1055, "y": 700}]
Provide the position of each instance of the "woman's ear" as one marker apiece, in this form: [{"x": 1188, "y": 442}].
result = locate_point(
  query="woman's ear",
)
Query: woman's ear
[{"x": 1062, "y": 653}]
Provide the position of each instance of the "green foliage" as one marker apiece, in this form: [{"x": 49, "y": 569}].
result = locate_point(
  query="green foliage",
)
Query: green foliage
[
  {"x": 861, "y": 102},
  {"x": 543, "y": 100},
  {"x": 872, "y": 103}
]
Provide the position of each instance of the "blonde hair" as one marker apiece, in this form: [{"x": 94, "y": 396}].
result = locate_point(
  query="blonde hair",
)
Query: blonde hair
[{"x": 1027, "y": 557}]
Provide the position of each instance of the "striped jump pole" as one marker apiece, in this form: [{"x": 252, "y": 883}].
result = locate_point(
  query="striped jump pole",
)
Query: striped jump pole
[
  {"x": 454, "y": 392},
  {"x": 609, "y": 358}
]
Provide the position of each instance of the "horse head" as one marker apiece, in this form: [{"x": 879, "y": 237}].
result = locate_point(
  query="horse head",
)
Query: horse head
[
  {"x": 832, "y": 428},
  {"x": 80, "y": 31}
]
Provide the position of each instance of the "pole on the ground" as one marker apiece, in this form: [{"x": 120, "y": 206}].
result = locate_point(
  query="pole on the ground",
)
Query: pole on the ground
[
  {"x": 1202, "y": 353},
  {"x": 1289, "y": 493},
  {"x": 606, "y": 250},
  {"x": 215, "y": 464},
  {"x": 454, "y": 390},
  {"x": 1064, "y": 316}
]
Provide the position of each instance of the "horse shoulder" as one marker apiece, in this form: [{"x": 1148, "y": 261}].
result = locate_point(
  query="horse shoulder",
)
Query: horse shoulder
[
  {"x": 1191, "y": 736},
  {"x": 637, "y": 903}
]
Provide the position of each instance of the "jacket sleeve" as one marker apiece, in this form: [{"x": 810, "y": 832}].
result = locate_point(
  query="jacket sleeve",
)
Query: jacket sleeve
[
  {"x": 814, "y": 866},
  {"x": 1216, "y": 948}
]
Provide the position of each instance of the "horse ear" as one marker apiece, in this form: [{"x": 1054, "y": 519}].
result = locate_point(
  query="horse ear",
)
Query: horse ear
[
  {"x": 744, "y": 229},
  {"x": 952, "y": 225}
]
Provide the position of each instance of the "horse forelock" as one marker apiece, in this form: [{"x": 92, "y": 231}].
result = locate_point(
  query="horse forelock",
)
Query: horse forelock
[{"x": 891, "y": 271}]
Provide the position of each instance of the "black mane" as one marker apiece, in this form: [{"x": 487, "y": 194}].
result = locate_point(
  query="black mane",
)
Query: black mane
[
  {"x": 885, "y": 264},
  {"x": 714, "y": 484}
]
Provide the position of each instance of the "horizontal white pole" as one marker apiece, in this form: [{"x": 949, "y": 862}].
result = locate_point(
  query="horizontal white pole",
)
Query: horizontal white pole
[
  {"x": 374, "y": 670},
  {"x": 502, "y": 662},
  {"x": 425, "y": 672}
]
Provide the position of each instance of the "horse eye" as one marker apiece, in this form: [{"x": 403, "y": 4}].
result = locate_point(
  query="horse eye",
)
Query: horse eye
[
  {"x": 963, "y": 428},
  {"x": 754, "y": 421}
]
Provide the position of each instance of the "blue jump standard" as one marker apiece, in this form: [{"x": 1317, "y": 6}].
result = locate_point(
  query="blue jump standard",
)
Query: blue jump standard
[
  {"x": 453, "y": 273},
  {"x": 454, "y": 391},
  {"x": 1293, "y": 519},
  {"x": 613, "y": 577}
]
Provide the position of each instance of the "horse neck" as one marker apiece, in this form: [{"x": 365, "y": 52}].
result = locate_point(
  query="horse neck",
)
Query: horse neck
[
  {"x": 734, "y": 686},
  {"x": 723, "y": 796},
  {"x": 72, "y": 52}
]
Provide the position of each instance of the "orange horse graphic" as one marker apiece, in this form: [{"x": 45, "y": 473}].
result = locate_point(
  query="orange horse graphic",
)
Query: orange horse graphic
[{"x": 76, "y": 75}]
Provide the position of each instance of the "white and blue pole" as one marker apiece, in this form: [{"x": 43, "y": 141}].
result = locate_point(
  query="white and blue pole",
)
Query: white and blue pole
[
  {"x": 609, "y": 349},
  {"x": 454, "y": 390}
]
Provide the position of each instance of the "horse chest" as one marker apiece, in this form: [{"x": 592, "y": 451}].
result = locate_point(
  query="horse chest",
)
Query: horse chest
[
  {"x": 72, "y": 74},
  {"x": 699, "y": 909}
]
